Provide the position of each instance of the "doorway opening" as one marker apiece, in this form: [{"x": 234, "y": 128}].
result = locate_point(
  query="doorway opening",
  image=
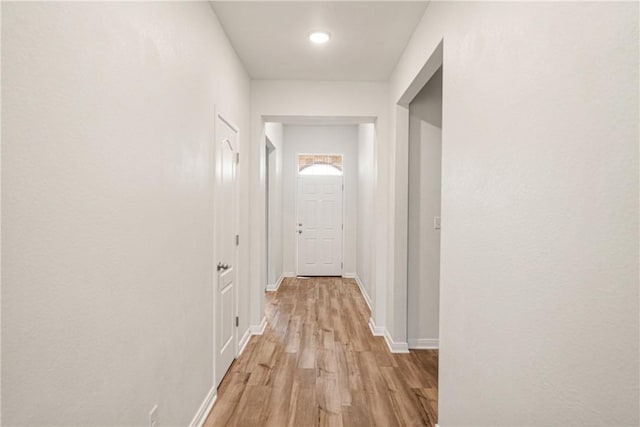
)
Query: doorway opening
[
  {"x": 270, "y": 181},
  {"x": 318, "y": 171},
  {"x": 423, "y": 237}
]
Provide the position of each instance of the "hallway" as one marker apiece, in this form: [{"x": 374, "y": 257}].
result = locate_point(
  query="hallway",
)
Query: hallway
[
  {"x": 317, "y": 363},
  {"x": 459, "y": 178}
]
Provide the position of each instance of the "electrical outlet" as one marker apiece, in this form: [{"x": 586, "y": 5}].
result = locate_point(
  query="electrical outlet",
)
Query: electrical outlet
[{"x": 153, "y": 416}]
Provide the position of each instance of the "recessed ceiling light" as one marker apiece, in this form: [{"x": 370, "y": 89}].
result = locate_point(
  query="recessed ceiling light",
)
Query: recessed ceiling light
[{"x": 319, "y": 37}]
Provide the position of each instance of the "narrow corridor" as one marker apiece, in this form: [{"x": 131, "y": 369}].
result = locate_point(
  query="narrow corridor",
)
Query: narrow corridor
[{"x": 317, "y": 363}]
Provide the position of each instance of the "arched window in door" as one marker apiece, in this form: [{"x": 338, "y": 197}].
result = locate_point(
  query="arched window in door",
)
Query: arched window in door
[{"x": 320, "y": 164}]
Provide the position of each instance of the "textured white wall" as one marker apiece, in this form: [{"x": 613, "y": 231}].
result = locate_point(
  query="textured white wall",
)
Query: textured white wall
[
  {"x": 423, "y": 256},
  {"x": 539, "y": 273},
  {"x": 107, "y": 213},
  {"x": 319, "y": 140},
  {"x": 274, "y": 270},
  {"x": 319, "y": 99},
  {"x": 365, "y": 247}
]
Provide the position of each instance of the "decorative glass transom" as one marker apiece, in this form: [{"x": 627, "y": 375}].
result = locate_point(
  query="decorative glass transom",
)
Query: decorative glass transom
[{"x": 320, "y": 164}]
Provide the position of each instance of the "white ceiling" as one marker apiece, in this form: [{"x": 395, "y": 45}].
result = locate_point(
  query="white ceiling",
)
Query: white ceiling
[{"x": 367, "y": 37}]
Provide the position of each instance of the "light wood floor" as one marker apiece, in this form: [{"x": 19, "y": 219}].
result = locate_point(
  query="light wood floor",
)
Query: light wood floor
[{"x": 317, "y": 364}]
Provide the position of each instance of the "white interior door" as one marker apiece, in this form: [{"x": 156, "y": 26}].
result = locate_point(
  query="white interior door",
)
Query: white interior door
[
  {"x": 225, "y": 321},
  {"x": 319, "y": 226}
]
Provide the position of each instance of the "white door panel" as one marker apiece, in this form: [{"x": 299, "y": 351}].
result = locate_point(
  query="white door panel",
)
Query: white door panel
[
  {"x": 225, "y": 187},
  {"x": 227, "y": 312},
  {"x": 319, "y": 227}
]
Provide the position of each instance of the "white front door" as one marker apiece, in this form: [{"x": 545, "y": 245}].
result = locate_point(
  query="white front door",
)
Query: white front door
[
  {"x": 225, "y": 205},
  {"x": 319, "y": 226}
]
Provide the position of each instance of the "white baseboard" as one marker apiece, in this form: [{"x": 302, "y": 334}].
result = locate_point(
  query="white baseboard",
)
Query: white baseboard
[
  {"x": 349, "y": 275},
  {"x": 274, "y": 287},
  {"x": 207, "y": 405},
  {"x": 244, "y": 340},
  {"x": 395, "y": 347},
  {"x": 424, "y": 344},
  {"x": 363, "y": 291},
  {"x": 204, "y": 410},
  {"x": 258, "y": 329},
  {"x": 381, "y": 331},
  {"x": 376, "y": 331}
]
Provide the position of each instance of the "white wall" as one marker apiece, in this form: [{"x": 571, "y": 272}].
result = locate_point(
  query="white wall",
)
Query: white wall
[
  {"x": 423, "y": 256},
  {"x": 301, "y": 139},
  {"x": 365, "y": 247},
  {"x": 273, "y": 131},
  {"x": 108, "y": 209},
  {"x": 539, "y": 273},
  {"x": 270, "y": 99}
]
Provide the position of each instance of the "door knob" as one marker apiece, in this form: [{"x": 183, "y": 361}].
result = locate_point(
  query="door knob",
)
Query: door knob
[
  {"x": 299, "y": 231},
  {"x": 222, "y": 267}
]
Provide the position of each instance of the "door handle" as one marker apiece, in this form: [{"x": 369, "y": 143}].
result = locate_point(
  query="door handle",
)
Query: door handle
[
  {"x": 299, "y": 231},
  {"x": 222, "y": 267}
]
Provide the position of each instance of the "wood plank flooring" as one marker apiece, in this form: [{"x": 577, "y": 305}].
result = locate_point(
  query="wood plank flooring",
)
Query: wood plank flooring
[{"x": 317, "y": 364}]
